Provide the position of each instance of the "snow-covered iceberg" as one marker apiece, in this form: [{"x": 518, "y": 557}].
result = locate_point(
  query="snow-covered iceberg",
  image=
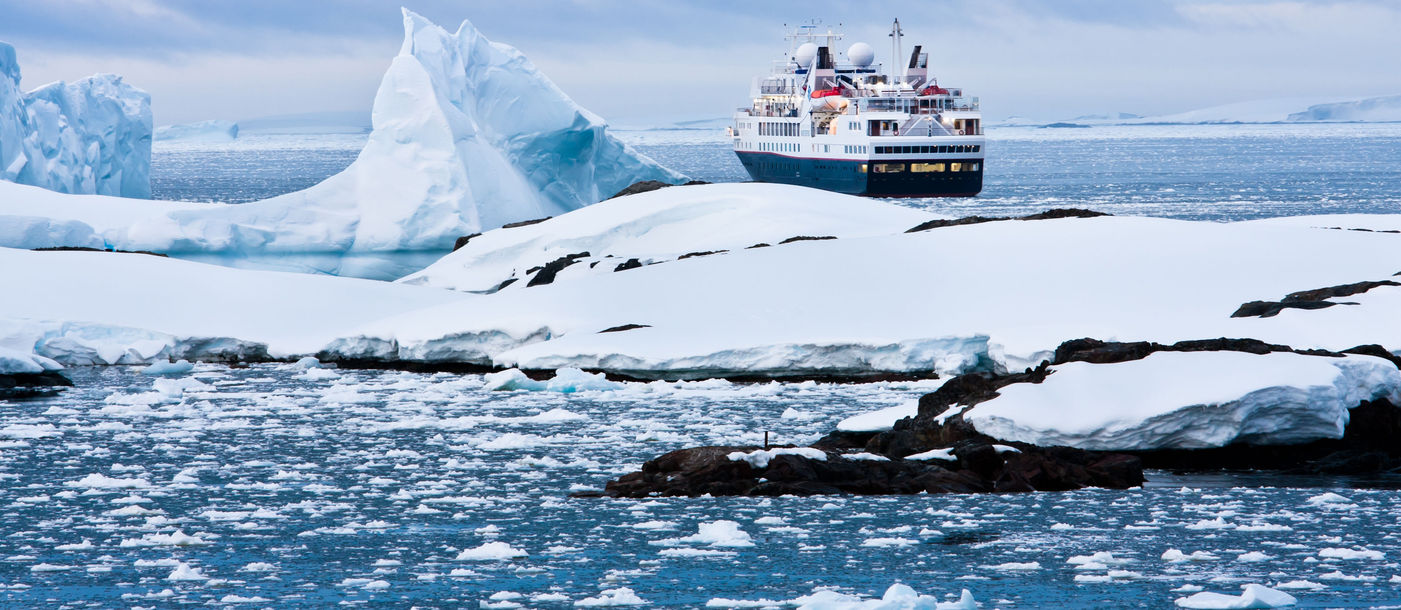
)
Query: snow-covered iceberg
[
  {"x": 1188, "y": 400},
  {"x": 1373, "y": 109},
  {"x": 89, "y": 136},
  {"x": 468, "y": 135},
  {"x": 215, "y": 130}
]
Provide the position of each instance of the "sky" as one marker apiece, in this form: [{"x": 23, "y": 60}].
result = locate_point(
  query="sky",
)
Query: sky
[{"x": 654, "y": 62}]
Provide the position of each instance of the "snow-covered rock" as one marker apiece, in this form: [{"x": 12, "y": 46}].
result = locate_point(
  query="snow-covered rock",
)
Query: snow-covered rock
[
  {"x": 89, "y": 136},
  {"x": 662, "y": 226},
  {"x": 1188, "y": 400},
  {"x": 468, "y": 135},
  {"x": 215, "y": 130}
]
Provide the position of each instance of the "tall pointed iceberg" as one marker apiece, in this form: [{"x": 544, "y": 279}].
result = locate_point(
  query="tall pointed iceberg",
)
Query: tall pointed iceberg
[{"x": 468, "y": 135}]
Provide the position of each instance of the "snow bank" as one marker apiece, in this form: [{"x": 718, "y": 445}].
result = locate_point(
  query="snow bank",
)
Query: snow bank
[
  {"x": 89, "y": 136},
  {"x": 942, "y": 300},
  {"x": 205, "y": 131},
  {"x": 468, "y": 135},
  {"x": 1255, "y": 596},
  {"x": 760, "y": 458},
  {"x": 879, "y": 421},
  {"x": 661, "y": 226},
  {"x": 1188, "y": 400}
]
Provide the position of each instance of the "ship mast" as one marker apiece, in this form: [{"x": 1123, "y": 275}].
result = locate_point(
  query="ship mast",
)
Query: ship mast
[{"x": 896, "y": 34}]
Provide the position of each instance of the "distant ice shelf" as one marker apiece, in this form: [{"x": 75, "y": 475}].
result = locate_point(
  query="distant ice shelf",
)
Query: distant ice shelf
[{"x": 206, "y": 131}]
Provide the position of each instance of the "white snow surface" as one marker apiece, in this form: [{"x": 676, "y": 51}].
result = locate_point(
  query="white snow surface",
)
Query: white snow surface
[
  {"x": 89, "y": 136},
  {"x": 468, "y": 135},
  {"x": 879, "y": 421},
  {"x": 661, "y": 226},
  {"x": 214, "y": 130},
  {"x": 1179, "y": 400}
]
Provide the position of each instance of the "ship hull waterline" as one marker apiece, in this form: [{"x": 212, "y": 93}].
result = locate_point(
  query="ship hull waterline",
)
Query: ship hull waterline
[{"x": 846, "y": 176}]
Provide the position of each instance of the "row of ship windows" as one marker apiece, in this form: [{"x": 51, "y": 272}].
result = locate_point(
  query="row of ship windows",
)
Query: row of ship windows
[
  {"x": 918, "y": 150},
  {"x": 923, "y": 168},
  {"x": 778, "y": 147},
  {"x": 778, "y": 129}
]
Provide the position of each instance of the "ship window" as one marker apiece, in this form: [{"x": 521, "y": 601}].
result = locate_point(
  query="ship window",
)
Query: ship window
[
  {"x": 924, "y": 168},
  {"x": 863, "y": 168},
  {"x": 943, "y": 149},
  {"x": 888, "y": 168},
  {"x": 974, "y": 167},
  {"x": 956, "y": 167},
  {"x": 977, "y": 148}
]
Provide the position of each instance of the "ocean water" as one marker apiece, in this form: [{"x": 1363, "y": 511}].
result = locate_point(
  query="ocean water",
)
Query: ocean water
[
  {"x": 1197, "y": 172},
  {"x": 272, "y": 486}
]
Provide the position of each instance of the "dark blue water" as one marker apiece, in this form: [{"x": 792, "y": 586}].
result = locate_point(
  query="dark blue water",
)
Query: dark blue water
[{"x": 312, "y": 490}]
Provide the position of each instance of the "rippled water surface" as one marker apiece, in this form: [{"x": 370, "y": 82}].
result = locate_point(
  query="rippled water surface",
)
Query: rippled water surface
[{"x": 310, "y": 488}]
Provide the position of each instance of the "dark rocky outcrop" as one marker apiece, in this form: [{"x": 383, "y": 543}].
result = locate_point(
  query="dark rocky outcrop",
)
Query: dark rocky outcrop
[
  {"x": 31, "y": 385},
  {"x": 695, "y": 254},
  {"x": 1308, "y": 299},
  {"x": 631, "y": 263},
  {"x": 618, "y": 329},
  {"x": 546, "y": 274},
  {"x": 525, "y": 223},
  {"x": 973, "y": 220},
  {"x": 462, "y": 241},
  {"x": 647, "y": 186},
  {"x": 86, "y": 249},
  {"x": 797, "y": 238},
  {"x": 983, "y": 464}
]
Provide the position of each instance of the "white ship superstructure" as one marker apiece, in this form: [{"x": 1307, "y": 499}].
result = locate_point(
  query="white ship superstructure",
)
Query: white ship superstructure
[{"x": 851, "y": 128}]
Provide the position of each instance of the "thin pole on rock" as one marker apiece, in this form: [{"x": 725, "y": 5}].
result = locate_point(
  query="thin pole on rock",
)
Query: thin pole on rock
[{"x": 766, "y": 439}]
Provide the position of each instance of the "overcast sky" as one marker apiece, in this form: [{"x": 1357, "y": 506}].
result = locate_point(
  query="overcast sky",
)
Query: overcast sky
[{"x": 647, "y": 62}]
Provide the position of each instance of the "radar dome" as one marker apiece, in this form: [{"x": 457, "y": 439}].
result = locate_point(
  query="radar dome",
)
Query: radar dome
[
  {"x": 805, "y": 54},
  {"x": 860, "y": 54}
]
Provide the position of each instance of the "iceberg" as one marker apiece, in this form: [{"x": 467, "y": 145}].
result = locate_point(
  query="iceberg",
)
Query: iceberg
[
  {"x": 467, "y": 136},
  {"x": 91, "y": 136},
  {"x": 203, "y": 131}
]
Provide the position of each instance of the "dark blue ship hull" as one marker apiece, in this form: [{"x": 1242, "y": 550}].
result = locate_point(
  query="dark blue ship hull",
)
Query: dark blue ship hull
[{"x": 864, "y": 177}]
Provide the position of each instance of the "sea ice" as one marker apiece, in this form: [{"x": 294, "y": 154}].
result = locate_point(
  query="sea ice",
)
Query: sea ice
[
  {"x": 491, "y": 551},
  {"x": 1254, "y": 596}
]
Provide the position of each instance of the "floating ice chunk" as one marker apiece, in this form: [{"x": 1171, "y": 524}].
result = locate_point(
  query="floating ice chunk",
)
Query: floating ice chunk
[
  {"x": 29, "y": 431},
  {"x": 239, "y": 599},
  {"x": 308, "y": 362},
  {"x": 85, "y": 545},
  {"x": 258, "y": 566},
  {"x": 1300, "y": 585},
  {"x": 1350, "y": 554},
  {"x": 101, "y": 481},
  {"x": 888, "y": 542},
  {"x": 1327, "y": 499},
  {"x": 1176, "y": 556},
  {"x": 791, "y": 413},
  {"x": 555, "y": 416},
  {"x": 881, "y": 420},
  {"x": 654, "y": 525},
  {"x": 760, "y": 458},
  {"x": 689, "y": 552},
  {"x": 1254, "y": 596},
  {"x": 491, "y": 551},
  {"x": 176, "y": 538},
  {"x": 897, "y": 597},
  {"x": 1253, "y": 557},
  {"x": 1211, "y": 524},
  {"x": 1014, "y": 566},
  {"x": 621, "y": 596},
  {"x": 722, "y": 533},
  {"x": 184, "y": 572},
  {"x": 165, "y": 367},
  {"x": 565, "y": 381}
]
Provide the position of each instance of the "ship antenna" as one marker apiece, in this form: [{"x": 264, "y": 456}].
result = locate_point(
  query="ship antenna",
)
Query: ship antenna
[{"x": 895, "y": 51}]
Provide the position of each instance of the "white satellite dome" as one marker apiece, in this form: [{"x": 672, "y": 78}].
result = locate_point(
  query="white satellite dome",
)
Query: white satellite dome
[
  {"x": 860, "y": 54},
  {"x": 805, "y": 54}
]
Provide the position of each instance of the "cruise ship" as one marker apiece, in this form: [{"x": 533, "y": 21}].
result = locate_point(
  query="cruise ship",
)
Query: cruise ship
[{"x": 846, "y": 126}]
